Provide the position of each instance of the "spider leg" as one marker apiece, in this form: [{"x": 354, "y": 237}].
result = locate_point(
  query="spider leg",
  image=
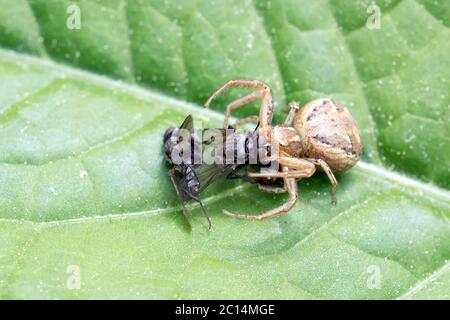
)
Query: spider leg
[
  {"x": 298, "y": 168},
  {"x": 293, "y": 108},
  {"x": 236, "y": 83},
  {"x": 239, "y": 103},
  {"x": 249, "y": 119},
  {"x": 291, "y": 187},
  {"x": 295, "y": 174},
  {"x": 264, "y": 92},
  {"x": 271, "y": 189},
  {"x": 324, "y": 166}
]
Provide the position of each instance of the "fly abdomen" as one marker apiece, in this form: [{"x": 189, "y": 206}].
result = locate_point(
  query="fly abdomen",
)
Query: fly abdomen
[{"x": 191, "y": 178}]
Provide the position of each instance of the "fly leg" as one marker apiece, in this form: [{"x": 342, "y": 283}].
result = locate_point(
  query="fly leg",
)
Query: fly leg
[
  {"x": 201, "y": 205},
  {"x": 235, "y": 175},
  {"x": 179, "y": 195}
]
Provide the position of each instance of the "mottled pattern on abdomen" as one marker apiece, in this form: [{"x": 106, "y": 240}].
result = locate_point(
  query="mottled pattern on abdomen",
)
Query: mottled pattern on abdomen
[{"x": 330, "y": 133}]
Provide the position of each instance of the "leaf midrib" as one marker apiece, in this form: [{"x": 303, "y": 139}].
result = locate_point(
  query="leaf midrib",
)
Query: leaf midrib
[{"x": 424, "y": 282}]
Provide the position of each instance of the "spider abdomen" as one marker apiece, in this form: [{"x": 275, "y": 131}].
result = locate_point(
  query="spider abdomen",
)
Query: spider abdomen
[{"x": 329, "y": 132}]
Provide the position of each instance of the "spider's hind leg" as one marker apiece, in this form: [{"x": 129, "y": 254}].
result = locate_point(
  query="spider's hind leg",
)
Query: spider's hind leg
[
  {"x": 271, "y": 189},
  {"x": 326, "y": 168},
  {"x": 291, "y": 187}
]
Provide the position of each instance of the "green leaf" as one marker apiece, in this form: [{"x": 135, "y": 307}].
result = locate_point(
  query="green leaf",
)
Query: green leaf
[{"x": 84, "y": 187}]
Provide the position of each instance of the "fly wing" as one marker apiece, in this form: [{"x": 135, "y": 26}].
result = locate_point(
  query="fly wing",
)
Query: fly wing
[
  {"x": 213, "y": 143},
  {"x": 188, "y": 123},
  {"x": 177, "y": 183},
  {"x": 207, "y": 173}
]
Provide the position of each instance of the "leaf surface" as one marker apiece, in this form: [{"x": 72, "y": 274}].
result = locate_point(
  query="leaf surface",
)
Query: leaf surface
[{"x": 84, "y": 184}]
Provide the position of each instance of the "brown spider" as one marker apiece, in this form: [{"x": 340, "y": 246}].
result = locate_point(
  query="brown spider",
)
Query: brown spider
[{"x": 322, "y": 134}]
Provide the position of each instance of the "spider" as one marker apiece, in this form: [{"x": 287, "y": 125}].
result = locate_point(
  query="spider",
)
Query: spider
[{"x": 321, "y": 135}]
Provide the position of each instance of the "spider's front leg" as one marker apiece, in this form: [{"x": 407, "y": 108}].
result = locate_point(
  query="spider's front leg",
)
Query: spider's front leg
[
  {"x": 239, "y": 103},
  {"x": 264, "y": 93},
  {"x": 250, "y": 119}
]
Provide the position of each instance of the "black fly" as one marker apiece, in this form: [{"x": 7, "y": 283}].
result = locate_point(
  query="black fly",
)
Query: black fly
[{"x": 189, "y": 177}]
